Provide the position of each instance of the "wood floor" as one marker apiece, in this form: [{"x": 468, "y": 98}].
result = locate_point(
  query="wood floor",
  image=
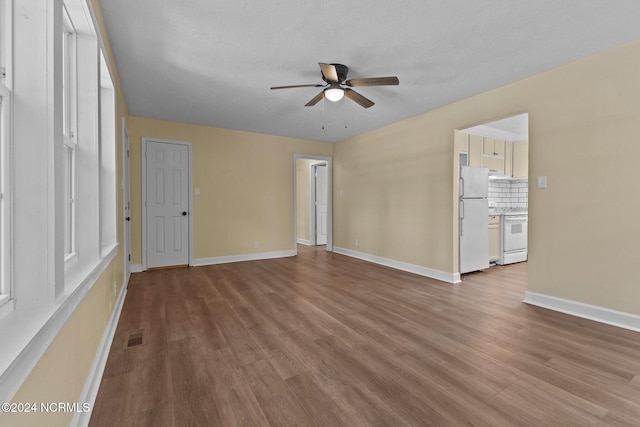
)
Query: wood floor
[{"x": 326, "y": 340}]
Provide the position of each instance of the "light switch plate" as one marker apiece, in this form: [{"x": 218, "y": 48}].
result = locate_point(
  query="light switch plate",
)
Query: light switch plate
[{"x": 542, "y": 182}]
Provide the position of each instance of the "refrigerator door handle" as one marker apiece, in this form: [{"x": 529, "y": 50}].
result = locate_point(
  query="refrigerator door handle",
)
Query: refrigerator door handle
[
  {"x": 461, "y": 208},
  {"x": 461, "y": 187}
]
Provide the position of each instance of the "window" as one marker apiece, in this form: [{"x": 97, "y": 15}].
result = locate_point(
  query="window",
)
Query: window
[
  {"x": 107, "y": 153},
  {"x": 62, "y": 188},
  {"x": 5, "y": 155},
  {"x": 69, "y": 118},
  {"x": 5, "y": 236}
]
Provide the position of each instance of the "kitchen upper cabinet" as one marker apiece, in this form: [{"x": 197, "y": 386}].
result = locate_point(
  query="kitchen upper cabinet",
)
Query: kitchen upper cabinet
[
  {"x": 494, "y": 238},
  {"x": 487, "y": 146},
  {"x": 508, "y": 158},
  {"x": 520, "y": 159},
  {"x": 475, "y": 150},
  {"x": 493, "y": 147},
  {"x": 493, "y": 163}
]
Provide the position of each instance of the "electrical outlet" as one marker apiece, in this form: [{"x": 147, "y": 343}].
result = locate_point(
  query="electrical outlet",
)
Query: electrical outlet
[
  {"x": 356, "y": 243},
  {"x": 115, "y": 289},
  {"x": 256, "y": 245}
]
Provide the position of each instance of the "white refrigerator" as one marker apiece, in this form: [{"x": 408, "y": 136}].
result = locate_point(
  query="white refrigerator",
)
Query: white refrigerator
[{"x": 473, "y": 211}]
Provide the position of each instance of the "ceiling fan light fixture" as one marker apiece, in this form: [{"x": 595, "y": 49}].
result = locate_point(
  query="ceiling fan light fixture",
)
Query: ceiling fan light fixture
[{"x": 334, "y": 93}]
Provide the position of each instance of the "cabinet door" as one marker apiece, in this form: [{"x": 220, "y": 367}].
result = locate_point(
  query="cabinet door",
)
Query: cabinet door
[
  {"x": 494, "y": 242},
  {"x": 521, "y": 159},
  {"x": 498, "y": 147},
  {"x": 508, "y": 158},
  {"x": 487, "y": 146},
  {"x": 493, "y": 163},
  {"x": 475, "y": 150}
]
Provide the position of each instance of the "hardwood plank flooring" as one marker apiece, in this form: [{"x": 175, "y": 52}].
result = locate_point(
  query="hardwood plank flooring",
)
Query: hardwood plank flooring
[{"x": 326, "y": 340}]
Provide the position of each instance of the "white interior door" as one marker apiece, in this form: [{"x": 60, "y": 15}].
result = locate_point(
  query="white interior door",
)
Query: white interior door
[
  {"x": 126, "y": 196},
  {"x": 167, "y": 204},
  {"x": 322, "y": 193}
]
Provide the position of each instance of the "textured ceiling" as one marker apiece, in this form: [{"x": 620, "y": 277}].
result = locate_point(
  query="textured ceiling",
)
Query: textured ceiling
[{"x": 212, "y": 62}]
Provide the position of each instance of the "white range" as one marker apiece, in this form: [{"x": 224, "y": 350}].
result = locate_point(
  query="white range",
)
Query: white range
[{"x": 513, "y": 235}]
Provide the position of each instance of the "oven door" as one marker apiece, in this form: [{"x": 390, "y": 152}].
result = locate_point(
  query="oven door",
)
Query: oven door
[{"x": 515, "y": 233}]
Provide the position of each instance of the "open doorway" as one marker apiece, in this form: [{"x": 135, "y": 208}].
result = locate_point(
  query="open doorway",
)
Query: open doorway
[
  {"x": 497, "y": 232},
  {"x": 312, "y": 201}
]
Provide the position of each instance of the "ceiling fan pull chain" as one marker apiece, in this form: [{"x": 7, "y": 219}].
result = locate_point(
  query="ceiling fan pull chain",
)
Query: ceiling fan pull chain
[{"x": 322, "y": 113}]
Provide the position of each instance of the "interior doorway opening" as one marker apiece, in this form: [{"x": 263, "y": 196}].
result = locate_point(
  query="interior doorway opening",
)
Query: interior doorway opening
[
  {"x": 501, "y": 149},
  {"x": 313, "y": 222}
]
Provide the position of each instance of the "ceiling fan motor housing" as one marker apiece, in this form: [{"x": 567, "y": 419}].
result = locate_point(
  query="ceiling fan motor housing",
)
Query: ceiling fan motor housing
[{"x": 341, "y": 70}]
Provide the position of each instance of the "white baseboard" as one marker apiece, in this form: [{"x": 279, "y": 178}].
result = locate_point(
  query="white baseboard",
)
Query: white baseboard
[
  {"x": 136, "y": 268},
  {"x": 411, "y": 268},
  {"x": 587, "y": 311},
  {"x": 304, "y": 241},
  {"x": 245, "y": 257},
  {"x": 94, "y": 378}
]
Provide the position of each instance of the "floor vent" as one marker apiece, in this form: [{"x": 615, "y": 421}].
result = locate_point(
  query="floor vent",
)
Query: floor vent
[{"x": 134, "y": 339}]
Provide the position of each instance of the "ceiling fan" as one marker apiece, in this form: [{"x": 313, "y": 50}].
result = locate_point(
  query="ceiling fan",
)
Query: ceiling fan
[{"x": 337, "y": 85}]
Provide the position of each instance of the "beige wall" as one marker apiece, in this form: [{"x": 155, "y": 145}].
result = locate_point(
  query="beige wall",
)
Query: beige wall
[
  {"x": 245, "y": 181},
  {"x": 396, "y": 192},
  {"x": 61, "y": 373},
  {"x": 398, "y": 181}
]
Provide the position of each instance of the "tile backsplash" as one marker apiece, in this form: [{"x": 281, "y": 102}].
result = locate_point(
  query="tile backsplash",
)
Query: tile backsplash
[{"x": 512, "y": 194}]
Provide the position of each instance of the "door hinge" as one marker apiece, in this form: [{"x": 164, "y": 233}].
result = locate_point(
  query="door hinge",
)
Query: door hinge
[{"x": 129, "y": 257}]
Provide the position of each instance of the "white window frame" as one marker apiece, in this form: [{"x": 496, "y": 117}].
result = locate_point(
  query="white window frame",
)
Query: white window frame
[
  {"x": 5, "y": 195},
  {"x": 5, "y": 156},
  {"x": 46, "y": 290},
  {"x": 6, "y": 28},
  {"x": 69, "y": 130},
  {"x": 107, "y": 156}
]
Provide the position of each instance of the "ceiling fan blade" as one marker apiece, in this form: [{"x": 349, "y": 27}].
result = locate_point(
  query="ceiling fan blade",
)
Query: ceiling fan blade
[
  {"x": 355, "y": 96},
  {"x": 373, "y": 81},
  {"x": 288, "y": 87},
  {"x": 315, "y": 100},
  {"x": 329, "y": 71}
]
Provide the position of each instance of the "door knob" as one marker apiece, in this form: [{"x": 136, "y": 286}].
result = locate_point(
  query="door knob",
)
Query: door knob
[
  {"x": 184, "y": 213},
  {"x": 128, "y": 218}
]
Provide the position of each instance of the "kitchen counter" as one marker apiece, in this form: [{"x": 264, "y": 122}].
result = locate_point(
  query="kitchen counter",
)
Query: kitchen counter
[{"x": 499, "y": 212}]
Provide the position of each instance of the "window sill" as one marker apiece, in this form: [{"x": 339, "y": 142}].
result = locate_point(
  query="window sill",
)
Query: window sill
[
  {"x": 70, "y": 257},
  {"x": 27, "y": 333},
  {"x": 6, "y": 305}
]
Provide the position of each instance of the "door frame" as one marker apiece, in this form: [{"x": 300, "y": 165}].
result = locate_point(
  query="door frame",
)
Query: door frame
[
  {"x": 145, "y": 141},
  {"x": 328, "y": 160},
  {"x": 313, "y": 217},
  {"x": 126, "y": 201}
]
